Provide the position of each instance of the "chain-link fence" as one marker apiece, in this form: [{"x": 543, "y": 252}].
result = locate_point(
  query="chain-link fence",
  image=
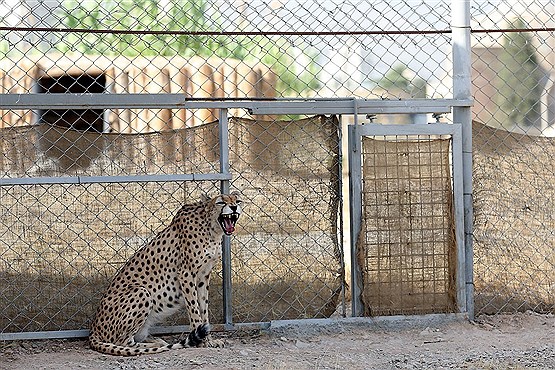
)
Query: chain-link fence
[
  {"x": 62, "y": 242},
  {"x": 513, "y": 56},
  {"x": 89, "y": 176}
]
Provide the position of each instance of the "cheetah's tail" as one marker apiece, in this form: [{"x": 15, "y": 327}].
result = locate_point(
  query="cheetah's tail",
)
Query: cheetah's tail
[{"x": 194, "y": 338}]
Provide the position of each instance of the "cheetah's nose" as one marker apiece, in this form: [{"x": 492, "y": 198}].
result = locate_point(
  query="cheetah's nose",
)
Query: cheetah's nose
[{"x": 233, "y": 208}]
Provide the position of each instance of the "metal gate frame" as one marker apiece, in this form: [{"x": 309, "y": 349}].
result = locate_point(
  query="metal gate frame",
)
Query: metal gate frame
[{"x": 355, "y": 134}]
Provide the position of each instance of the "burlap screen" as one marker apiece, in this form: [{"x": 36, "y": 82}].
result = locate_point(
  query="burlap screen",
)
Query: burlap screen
[
  {"x": 406, "y": 247},
  {"x": 61, "y": 243},
  {"x": 514, "y": 221},
  {"x": 289, "y": 171}
]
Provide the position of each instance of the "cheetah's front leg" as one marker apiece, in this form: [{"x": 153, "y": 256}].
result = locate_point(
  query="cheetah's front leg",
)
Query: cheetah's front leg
[
  {"x": 202, "y": 289},
  {"x": 191, "y": 299}
]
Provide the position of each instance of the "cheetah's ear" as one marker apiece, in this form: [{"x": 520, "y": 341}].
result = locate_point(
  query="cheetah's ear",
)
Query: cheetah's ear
[{"x": 204, "y": 197}]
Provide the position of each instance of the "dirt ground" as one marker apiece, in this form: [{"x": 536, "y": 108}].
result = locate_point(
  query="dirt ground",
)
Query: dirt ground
[{"x": 521, "y": 341}]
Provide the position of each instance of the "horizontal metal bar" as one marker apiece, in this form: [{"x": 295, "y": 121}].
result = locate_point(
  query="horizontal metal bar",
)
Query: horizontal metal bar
[
  {"x": 396, "y": 321},
  {"x": 307, "y": 107},
  {"x": 392, "y": 130},
  {"x": 363, "y": 106},
  {"x": 83, "y": 333},
  {"x": 108, "y": 101},
  {"x": 155, "y": 101},
  {"x": 229, "y": 33},
  {"x": 256, "y": 106},
  {"x": 388, "y": 322},
  {"x": 112, "y": 179},
  {"x": 62, "y": 334},
  {"x": 213, "y": 327}
]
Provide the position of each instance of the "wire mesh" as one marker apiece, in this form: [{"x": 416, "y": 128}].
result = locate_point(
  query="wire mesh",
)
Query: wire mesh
[
  {"x": 513, "y": 58},
  {"x": 323, "y": 49},
  {"x": 291, "y": 264},
  {"x": 219, "y": 49},
  {"x": 406, "y": 248},
  {"x": 61, "y": 243},
  {"x": 514, "y": 220}
]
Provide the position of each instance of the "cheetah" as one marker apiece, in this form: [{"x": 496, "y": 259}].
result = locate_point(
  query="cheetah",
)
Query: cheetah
[{"x": 169, "y": 272}]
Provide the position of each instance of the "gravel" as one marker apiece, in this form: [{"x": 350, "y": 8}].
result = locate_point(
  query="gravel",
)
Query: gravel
[{"x": 520, "y": 341}]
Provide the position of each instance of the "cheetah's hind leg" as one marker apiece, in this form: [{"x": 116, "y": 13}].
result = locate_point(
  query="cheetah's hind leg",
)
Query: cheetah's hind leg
[{"x": 135, "y": 303}]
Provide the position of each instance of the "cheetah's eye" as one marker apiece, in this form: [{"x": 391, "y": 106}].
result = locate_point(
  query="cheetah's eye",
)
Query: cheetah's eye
[{"x": 220, "y": 203}]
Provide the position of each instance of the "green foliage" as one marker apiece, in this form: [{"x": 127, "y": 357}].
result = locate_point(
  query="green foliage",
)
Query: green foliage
[
  {"x": 394, "y": 78},
  {"x": 139, "y": 15},
  {"x": 518, "y": 85},
  {"x": 4, "y": 46},
  {"x": 281, "y": 56},
  {"x": 398, "y": 79},
  {"x": 189, "y": 15}
]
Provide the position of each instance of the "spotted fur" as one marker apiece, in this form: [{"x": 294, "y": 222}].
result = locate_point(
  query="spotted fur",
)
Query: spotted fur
[{"x": 171, "y": 271}]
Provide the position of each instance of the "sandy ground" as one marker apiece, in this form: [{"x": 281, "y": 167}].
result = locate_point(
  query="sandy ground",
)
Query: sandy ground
[{"x": 521, "y": 341}]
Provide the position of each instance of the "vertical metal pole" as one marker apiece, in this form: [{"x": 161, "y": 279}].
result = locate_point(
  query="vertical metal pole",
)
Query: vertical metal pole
[
  {"x": 460, "y": 27},
  {"x": 458, "y": 195},
  {"x": 355, "y": 199},
  {"x": 223, "y": 132},
  {"x": 343, "y": 198}
]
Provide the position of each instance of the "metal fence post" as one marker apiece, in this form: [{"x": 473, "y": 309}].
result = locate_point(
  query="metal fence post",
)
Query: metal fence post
[
  {"x": 223, "y": 132},
  {"x": 462, "y": 90},
  {"x": 355, "y": 194}
]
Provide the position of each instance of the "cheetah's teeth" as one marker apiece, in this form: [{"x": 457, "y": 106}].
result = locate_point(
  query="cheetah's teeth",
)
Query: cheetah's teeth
[{"x": 227, "y": 222}]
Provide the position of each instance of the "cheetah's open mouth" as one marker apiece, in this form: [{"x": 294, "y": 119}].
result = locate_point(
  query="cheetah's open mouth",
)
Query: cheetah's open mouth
[{"x": 227, "y": 222}]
